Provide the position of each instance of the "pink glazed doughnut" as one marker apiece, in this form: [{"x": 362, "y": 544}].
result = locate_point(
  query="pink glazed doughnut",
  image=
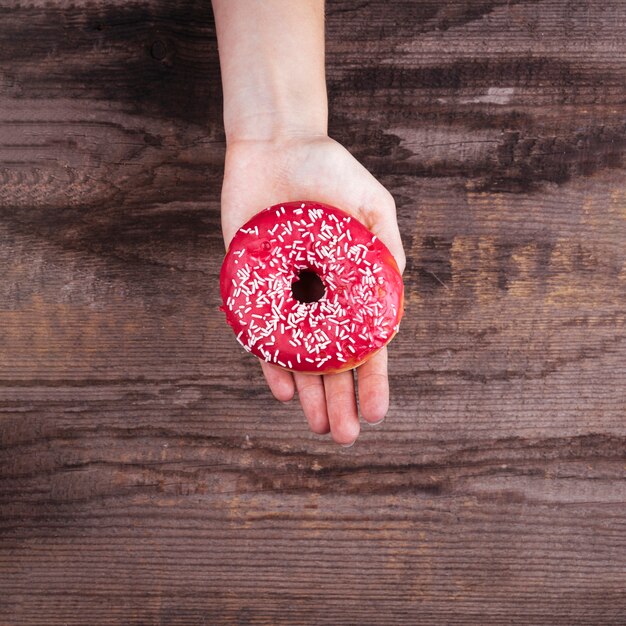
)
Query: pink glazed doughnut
[{"x": 308, "y": 287}]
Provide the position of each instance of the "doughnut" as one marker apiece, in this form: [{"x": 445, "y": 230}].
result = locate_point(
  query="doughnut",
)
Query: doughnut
[{"x": 308, "y": 287}]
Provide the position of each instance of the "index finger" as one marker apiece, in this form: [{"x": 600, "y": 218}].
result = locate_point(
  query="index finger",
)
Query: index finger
[{"x": 373, "y": 388}]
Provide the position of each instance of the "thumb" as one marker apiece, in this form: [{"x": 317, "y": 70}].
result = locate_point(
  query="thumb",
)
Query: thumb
[
  {"x": 381, "y": 218},
  {"x": 368, "y": 200},
  {"x": 376, "y": 208}
]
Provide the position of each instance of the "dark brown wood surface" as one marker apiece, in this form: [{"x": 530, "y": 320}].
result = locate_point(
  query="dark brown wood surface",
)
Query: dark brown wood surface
[{"x": 147, "y": 477}]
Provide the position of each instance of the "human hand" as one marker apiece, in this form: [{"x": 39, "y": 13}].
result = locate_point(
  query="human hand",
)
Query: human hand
[
  {"x": 275, "y": 120},
  {"x": 259, "y": 173}
]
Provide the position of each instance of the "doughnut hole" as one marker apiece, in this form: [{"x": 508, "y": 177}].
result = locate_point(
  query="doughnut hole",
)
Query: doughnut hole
[{"x": 308, "y": 287}]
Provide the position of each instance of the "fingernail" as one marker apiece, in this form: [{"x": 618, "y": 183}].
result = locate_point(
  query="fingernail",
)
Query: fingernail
[
  {"x": 380, "y": 421},
  {"x": 347, "y": 445}
]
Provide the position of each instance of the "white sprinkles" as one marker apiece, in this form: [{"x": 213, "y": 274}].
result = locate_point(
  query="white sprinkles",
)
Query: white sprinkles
[{"x": 353, "y": 304}]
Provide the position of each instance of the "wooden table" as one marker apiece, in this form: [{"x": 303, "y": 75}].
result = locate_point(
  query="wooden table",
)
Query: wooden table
[{"x": 146, "y": 475}]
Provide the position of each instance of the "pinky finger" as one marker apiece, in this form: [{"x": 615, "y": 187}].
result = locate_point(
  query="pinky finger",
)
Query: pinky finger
[{"x": 280, "y": 381}]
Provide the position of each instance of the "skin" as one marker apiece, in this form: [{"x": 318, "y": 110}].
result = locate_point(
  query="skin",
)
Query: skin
[{"x": 278, "y": 150}]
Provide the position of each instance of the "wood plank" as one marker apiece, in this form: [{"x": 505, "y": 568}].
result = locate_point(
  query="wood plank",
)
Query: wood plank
[{"x": 146, "y": 476}]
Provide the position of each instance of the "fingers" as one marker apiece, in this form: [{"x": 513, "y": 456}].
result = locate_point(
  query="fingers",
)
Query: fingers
[
  {"x": 313, "y": 400},
  {"x": 279, "y": 380},
  {"x": 341, "y": 407},
  {"x": 382, "y": 220},
  {"x": 373, "y": 386},
  {"x": 329, "y": 402},
  {"x": 387, "y": 231},
  {"x": 376, "y": 207}
]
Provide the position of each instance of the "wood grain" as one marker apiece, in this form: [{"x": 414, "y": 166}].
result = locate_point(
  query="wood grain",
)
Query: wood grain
[{"x": 146, "y": 476}]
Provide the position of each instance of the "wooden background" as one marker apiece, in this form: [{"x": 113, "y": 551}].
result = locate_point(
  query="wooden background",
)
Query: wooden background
[{"x": 147, "y": 477}]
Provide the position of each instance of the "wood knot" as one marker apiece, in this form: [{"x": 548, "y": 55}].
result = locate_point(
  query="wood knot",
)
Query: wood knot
[{"x": 158, "y": 50}]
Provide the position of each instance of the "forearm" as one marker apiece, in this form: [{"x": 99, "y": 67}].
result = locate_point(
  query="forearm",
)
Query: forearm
[{"x": 272, "y": 63}]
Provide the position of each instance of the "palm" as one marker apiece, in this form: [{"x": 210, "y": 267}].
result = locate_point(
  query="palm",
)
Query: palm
[{"x": 259, "y": 174}]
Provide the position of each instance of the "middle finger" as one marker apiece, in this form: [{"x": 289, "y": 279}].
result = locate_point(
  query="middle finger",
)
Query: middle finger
[
  {"x": 313, "y": 400},
  {"x": 341, "y": 407}
]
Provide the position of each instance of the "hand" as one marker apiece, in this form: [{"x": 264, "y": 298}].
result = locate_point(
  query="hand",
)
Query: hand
[{"x": 259, "y": 173}]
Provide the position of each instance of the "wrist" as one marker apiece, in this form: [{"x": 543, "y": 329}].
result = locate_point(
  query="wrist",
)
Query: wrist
[
  {"x": 282, "y": 114},
  {"x": 272, "y": 67}
]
